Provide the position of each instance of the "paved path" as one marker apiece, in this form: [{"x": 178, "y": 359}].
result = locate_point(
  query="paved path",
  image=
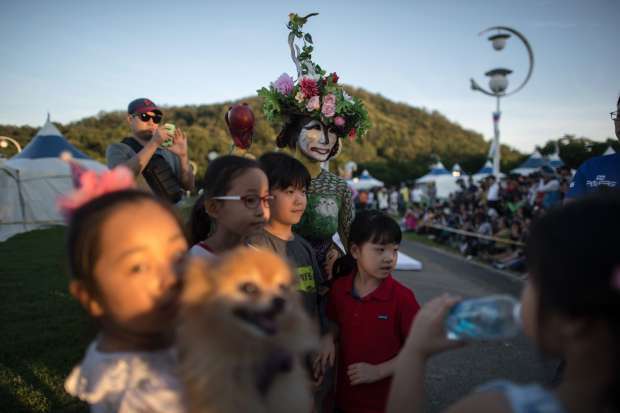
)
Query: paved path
[{"x": 452, "y": 375}]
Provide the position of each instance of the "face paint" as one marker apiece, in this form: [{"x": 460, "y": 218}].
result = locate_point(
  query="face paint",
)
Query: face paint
[{"x": 316, "y": 141}]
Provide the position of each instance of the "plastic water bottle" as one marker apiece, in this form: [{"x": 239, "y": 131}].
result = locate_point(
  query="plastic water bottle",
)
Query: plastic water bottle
[{"x": 495, "y": 317}]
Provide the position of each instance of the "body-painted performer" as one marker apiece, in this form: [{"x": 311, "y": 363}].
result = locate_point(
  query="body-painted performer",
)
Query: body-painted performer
[{"x": 316, "y": 113}]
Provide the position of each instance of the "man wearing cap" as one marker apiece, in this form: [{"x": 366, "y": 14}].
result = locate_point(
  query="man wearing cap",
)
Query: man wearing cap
[{"x": 163, "y": 170}]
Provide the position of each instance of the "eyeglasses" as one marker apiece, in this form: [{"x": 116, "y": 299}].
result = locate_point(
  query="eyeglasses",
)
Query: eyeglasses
[
  {"x": 250, "y": 201},
  {"x": 614, "y": 115},
  {"x": 144, "y": 117}
]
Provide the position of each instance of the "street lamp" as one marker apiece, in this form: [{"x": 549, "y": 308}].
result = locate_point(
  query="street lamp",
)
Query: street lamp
[
  {"x": 5, "y": 140},
  {"x": 498, "y": 83}
]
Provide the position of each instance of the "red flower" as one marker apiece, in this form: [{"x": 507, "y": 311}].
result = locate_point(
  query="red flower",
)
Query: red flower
[
  {"x": 308, "y": 87},
  {"x": 352, "y": 134},
  {"x": 335, "y": 78}
]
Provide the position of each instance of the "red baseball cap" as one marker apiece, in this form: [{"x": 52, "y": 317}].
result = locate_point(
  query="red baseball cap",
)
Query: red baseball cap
[{"x": 142, "y": 105}]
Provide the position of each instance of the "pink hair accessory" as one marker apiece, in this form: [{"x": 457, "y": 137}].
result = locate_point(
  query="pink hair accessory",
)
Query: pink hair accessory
[{"x": 90, "y": 185}]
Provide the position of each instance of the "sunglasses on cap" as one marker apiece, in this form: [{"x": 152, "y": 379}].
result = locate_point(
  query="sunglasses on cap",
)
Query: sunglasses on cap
[{"x": 144, "y": 117}]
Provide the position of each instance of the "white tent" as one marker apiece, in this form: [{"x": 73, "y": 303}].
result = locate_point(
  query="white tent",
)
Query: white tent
[
  {"x": 31, "y": 181},
  {"x": 444, "y": 181},
  {"x": 364, "y": 182},
  {"x": 609, "y": 151},
  {"x": 531, "y": 164},
  {"x": 555, "y": 161}
]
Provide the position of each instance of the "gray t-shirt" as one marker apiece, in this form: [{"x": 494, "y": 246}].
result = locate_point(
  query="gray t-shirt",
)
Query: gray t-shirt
[
  {"x": 301, "y": 254},
  {"x": 118, "y": 153}
]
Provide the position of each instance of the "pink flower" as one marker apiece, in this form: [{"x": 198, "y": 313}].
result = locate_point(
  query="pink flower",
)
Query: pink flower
[
  {"x": 308, "y": 87},
  {"x": 313, "y": 103},
  {"x": 339, "y": 121},
  {"x": 329, "y": 99},
  {"x": 329, "y": 106},
  {"x": 284, "y": 84}
]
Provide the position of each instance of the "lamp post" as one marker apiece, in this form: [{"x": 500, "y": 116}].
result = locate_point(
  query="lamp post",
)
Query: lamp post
[
  {"x": 498, "y": 83},
  {"x": 5, "y": 140}
]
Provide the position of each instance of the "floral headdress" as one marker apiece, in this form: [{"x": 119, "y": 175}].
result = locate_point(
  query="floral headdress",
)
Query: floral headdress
[{"x": 315, "y": 93}]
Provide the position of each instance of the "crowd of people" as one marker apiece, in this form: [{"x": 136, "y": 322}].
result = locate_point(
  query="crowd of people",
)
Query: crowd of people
[{"x": 497, "y": 214}]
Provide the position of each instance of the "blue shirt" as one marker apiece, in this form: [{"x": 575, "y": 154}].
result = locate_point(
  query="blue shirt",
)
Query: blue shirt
[{"x": 600, "y": 171}]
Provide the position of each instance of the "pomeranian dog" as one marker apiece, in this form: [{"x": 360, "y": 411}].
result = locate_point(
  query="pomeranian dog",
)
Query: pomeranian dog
[{"x": 244, "y": 338}]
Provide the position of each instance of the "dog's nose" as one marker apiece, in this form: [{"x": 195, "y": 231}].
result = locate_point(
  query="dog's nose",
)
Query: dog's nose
[{"x": 278, "y": 303}]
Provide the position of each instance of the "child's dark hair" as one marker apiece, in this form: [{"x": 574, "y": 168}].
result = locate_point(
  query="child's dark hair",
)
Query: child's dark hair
[
  {"x": 284, "y": 171},
  {"x": 217, "y": 182},
  {"x": 368, "y": 226},
  {"x": 572, "y": 258},
  {"x": 84, "y": 231}
]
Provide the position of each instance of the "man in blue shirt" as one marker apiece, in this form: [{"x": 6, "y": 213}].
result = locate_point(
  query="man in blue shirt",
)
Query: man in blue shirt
[{"x": 600, "y": 171}]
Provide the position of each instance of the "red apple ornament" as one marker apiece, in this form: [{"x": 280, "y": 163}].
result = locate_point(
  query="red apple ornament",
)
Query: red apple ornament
[{"x": 240, "y": 121}]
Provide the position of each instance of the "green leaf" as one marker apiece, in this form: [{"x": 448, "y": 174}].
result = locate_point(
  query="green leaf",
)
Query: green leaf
[{"x": 308, "y": 38}]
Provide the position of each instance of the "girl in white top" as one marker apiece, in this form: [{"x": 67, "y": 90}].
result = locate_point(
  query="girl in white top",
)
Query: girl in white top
[
  {"x": 233, "y": 206},
  {"x": 123, "y": 248}
]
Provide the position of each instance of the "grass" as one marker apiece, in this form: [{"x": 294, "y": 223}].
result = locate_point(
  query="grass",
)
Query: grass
[{"x": 44, "y": 331}]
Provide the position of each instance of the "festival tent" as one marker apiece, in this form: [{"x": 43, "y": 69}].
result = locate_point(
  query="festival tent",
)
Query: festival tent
[
  {"x": 457, "y": 171},
  {"x": 364, "y": 182},
  {"x": 443, "y": 179},
  {"x": 555, "y": 161},
  {"x": 486, "y": 170},
  {"x": 609, "y": 151},
  {"x": 531, "y": 164},
  {"x": 31, "y": 181}
]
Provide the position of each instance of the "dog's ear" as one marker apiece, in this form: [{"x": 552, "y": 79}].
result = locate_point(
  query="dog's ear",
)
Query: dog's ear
[{"x": 198, "y": 284}]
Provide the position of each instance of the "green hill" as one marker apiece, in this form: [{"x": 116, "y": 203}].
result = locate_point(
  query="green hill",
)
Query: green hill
[{"x": 400, "y": 146}]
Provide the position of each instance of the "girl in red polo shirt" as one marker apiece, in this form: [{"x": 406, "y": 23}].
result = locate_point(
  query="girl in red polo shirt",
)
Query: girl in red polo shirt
[{"x": 371, "y": 312}]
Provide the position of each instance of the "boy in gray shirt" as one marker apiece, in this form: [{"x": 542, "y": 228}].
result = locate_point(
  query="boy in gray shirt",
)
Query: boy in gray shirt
[{"x": 288, "y": 182}]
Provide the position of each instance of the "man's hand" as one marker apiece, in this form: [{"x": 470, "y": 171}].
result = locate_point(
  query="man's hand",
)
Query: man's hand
[
  {"x": 160, "y": 134},
  {"x": 179, "y": 144},
  {"x": 360, "y": 373}
]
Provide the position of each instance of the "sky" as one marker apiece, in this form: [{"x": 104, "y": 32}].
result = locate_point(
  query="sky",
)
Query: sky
[{"x": 77, "y": 58}]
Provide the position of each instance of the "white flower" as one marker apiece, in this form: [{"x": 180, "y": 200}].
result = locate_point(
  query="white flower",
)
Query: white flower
[{"x": 346, "y": 97}]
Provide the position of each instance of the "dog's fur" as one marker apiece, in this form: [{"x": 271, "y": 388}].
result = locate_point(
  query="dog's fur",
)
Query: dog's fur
[{"x": 244, "y": 336}]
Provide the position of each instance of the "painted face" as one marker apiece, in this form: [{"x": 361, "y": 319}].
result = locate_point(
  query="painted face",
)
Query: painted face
[
  {"x": 137, "y": 285},
  {"x": 376, "y": 260},
  {"x": 316, "y": 141},
  {"x": 288, "y": 205}
]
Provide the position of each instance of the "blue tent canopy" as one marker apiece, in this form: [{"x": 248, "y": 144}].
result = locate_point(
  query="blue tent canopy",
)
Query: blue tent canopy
[
  {"x": 555, "y": 161},
  {"x": 439, "y": 169},
  {"x": 486, "y": 169},
  {"x": 534, "y": 161},
  {"x": 49, "y": 143}
]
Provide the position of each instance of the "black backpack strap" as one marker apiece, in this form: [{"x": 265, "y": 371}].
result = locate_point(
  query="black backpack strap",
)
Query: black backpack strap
[{"x": 158, "y": 174}]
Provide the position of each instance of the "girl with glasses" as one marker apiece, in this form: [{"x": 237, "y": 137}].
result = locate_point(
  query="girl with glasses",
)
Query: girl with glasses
[{"x": 233, "y": 206}]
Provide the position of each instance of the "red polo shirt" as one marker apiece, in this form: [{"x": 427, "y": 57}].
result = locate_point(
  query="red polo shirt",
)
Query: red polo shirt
[{"x": 372, "y": 329}]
